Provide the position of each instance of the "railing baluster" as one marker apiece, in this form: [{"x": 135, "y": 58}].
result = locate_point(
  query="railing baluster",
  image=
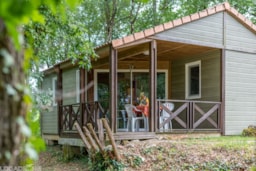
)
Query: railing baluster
[
  {"x": 70, "y": 116},
  {"x": 218, "y": 116}
]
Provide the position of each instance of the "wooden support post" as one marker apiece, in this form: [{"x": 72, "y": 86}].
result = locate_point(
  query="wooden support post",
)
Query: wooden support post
[
  {"x": 111, "y": 138},
  {"x": 86, "y": 143},
  {"x": 90, "y": 139},
  {"x": 82, "y": 94},
  {"x": 89, "y": 125},
  {"x": 59, "y": 99},
  {"x": 101, "y": 132},
  {"x": 153, "y": 79},
  {"x": 113, "y": 87}
]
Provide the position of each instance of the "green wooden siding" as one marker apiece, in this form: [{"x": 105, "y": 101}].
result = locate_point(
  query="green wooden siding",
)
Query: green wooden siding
[
  {"x": 240, "y": 77},
  {"x": 238, "y": 37},
  {"x": 69, "y": 86},
  {"x": 49, "y": 117},
  {"x": 210, "y": 76},
  {"x": 208, "y": 30},
  {"x": 210, "y": 82},
  {"x": 240, "y": 91}
]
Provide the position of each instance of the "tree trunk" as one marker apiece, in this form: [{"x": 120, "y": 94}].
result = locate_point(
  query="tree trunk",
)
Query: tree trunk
[
  {"x": 110, "y": 11},
  {"x": 12, "y": 106}
]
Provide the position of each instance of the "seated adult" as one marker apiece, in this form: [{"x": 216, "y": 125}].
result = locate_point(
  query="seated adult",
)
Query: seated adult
[
  {"x": 143, "y": 100},
  {"x": 144, "y": 104}
]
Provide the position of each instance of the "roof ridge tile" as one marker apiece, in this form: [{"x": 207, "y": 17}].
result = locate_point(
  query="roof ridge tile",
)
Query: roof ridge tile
[
  {"x": 139, "y": 35},
  {"x": 149, "y": 32},
  {"x": 129, "y": 38},
  {"x": 202, "y": 13},
  {"x": 226, "y": 5},
  {"x": 186, "y": 19},
  {"x": 254, "y": 27},
  {"x": 194, "y": 16},
  {"x": 241, "y": 17},
  {"x": 168, "y": 25},
  {"x": 177, "y": 22},
  {"x": 159, "y": 28},
  {"x": 211, "y": 10},
  {"x": 220, "y": 7},
  {"x": 117, "y": 42}
]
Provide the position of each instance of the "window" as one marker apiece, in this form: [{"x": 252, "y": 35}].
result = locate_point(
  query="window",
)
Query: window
[
  {"x": 193, "y": 80},
  {"x": 78, "y": 86},
  {"x": 54, "y": 91}
]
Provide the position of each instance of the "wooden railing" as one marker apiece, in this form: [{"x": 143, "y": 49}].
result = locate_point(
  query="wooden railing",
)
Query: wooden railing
[
  {"x": 190, "y": 115},
  {"x": 187, "y": 115},
  {"x": 83, "y": 113},
  {"x": 70, "y": 114}
]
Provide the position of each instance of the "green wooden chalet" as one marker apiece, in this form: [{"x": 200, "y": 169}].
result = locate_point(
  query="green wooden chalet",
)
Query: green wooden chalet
[{"x": 203, "y": 64}]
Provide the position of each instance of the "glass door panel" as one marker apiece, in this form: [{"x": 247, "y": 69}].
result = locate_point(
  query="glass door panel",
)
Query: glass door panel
[{"x": 128, "y": 89}]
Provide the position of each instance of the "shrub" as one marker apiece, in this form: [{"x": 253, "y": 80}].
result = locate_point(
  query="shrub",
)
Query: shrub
[
  {"x": 106, "y": 161},
  {"x": 250, "y": 131}
]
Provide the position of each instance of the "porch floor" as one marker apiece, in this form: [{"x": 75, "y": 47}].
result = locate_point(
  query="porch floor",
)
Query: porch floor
[
  {"x": 174, "y": 133},
  {"x": 134, "y": 135}
]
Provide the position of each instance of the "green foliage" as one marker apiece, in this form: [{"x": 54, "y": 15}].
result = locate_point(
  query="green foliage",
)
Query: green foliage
[
  {"x": 103, "y": 94},
  {"x": 253, "y": 168},
  {"x": 104, "y": 162},
  {"x": 14, "y": 14},
  {"x": 147, "y": 151},
  {"x": 137, "y": 161},
  {"x": 67, "y": 152},
  {"x": 133, "y": 160},
  {"x": 118, "y": 18},
  {"x": 59, "y": 39},
  {"x": 17, "y": 12},
  {"x": 34, "y": 143},
  {"x": 214, "y": 165},
  {"x": 250, "y": 131}
]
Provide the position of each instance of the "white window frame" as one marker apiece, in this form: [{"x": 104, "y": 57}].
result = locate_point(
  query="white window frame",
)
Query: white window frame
[
  {"x": 77, "y": 86},
  {"x": 54, "y": 84},
  {"x": 187, "y": 80}
]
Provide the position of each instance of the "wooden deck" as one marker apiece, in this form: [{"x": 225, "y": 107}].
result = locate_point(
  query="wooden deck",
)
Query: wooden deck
[
  {"x": 134, "y": 135},
  {"x": 155, "y": 135},
  {"x": 175, "y": 134}
]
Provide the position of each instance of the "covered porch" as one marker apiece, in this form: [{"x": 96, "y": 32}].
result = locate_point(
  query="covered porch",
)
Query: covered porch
[{"x": 164, "y": 70}]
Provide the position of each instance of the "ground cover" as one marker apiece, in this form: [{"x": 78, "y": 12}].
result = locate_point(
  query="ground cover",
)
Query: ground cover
[{"x": 169, "y": 152}]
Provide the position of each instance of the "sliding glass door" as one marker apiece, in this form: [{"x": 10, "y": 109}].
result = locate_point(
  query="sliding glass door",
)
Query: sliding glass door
[{"x": 130, "y": 85}]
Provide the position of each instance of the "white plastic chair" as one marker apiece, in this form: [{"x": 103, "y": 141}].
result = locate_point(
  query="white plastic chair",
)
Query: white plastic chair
[
  {"x": 166, "y": 115},
  {"x": 133, "y": 120},
  {"x": 122, "y": 118}
]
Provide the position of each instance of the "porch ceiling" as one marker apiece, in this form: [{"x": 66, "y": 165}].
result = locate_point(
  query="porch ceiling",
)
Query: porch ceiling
[{"x": 165, "y": 51}]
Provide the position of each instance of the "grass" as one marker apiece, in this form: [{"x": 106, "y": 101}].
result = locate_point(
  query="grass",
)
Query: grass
[
  {"x": 193, "y": 153},
  {"x": 230, "y": 142}
]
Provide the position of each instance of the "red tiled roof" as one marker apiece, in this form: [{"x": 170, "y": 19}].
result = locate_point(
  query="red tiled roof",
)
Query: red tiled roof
[{"x": 162, "y": 27}]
